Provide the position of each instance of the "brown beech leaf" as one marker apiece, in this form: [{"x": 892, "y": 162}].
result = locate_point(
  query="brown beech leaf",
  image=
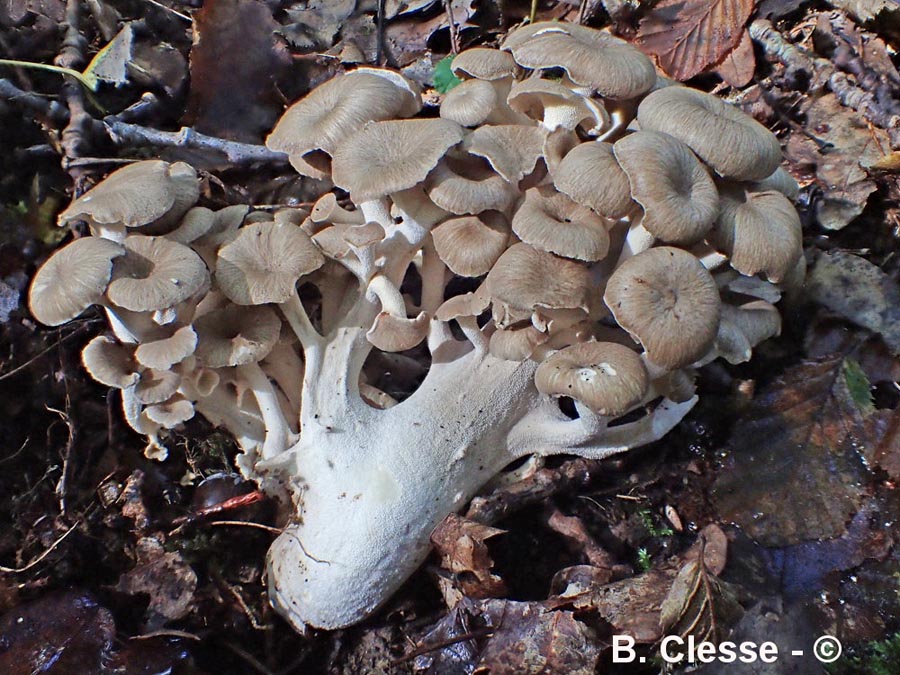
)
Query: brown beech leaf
[
  {"x": 688, "y": 36},
  {"x": 235, "y": 61},
  {"x": 460, "y": 543},
  {"x": 739, "y": 64},
  {"x": 793, "y": 471},
  {"x": 165, "y": 577}
]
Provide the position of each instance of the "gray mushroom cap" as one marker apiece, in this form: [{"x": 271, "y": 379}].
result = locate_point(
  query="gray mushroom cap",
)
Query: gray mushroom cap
[
  {"x": 679, "y": 198},
  {"x": 607, "y": 64},
  {"x": 470, "y": 245},
  {"x": 731, "y": 142},
  {"x": 387, "y": 157},
  {"x": 236, "y": 335},
  {"x": 72, "y": 279},
  {"x": 606, "y": 377},
  {"x": 155, "y": 273},
  {"x": 110, "y": 362},
  {"x": 263, "y": 263},
  {"x": 590, "y": 175},
  {"x": 152, "y": 192},
  {"x": 668, "y": 302},
  {"x": 484, "y": 64}
]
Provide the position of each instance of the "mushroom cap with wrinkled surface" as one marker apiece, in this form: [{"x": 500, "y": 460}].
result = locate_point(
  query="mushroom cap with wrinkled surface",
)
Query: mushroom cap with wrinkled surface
[
  {"x": 72, "y": 279},
  {"x": 470, "y": 245},
  {"x": 731, "y": 142},
  {"x": 760, "y": 231},
  {"x": 145, "y": 193},
  {"x": 590, "y": 175},
  {"x": 155, "y": 273},
  {"x": 166, "y": 352},
  {"x": 263, "y": 263},
  {"x": 483, "y": 64},
  {"x": 607, "y": 64},
  {"x": 337, "y": 108},
  {"x": 236, "y": 335},
  {"x": 525, "y": 278},
  {"x": 464, "y": 186},
  {"x": 470, "y": 103},
  {"x": 679, "y": 198},
  {"x": 555, "y": 105},
  {"x": 548, "y": 220},
  {"x": 668, "y": 302},
  {"x": 606, "y": 377},
  {"x": 386, "y": 157},
  {"x": 512, "y": 150}
]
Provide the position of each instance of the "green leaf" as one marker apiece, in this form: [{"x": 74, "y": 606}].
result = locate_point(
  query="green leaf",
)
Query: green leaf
[
  {"x": 444, "y": 79},
  {"x": 858, "y": 386}
]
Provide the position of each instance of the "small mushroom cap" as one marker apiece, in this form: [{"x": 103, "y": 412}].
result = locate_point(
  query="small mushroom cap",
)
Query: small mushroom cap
[
  {"x": 386, "y": 157},
  {"x": 760, "y": 231},
  {"x": 110, "y": 362},
  {"x": 467, "y": 304},
  {"x": 525, "y": 278},
  {"x": 590, "y": 174},
  {"x": 391, "y": 333},
  {"x": 327, "y": 210},
  {"x": 512, "y": 150},
  {"x": 607, "y": 64},
  {"x": 197, "y": 222},
  {"x": 557, "y": 106},
  {"x": 679, "y": 198},
  {"x": 516, "y": 344},
  {"x": 606, "y": 377},
  {"x": 483, "y": 64},
  {"x": 466, "y": 187},
  {"x": 171, "y": 413},
  {"x": 744, "y": 327},
  {"x": 155, "y": 273},
  {"x": 782, "y": 182},
  {"x": 163, "y": 354},
  {"x": 732, "y": 143},
  {"x": 264, "y": 262},
  {"x": 335, "y": 109},
  {"x": 140, "y": 194},
  {"x": 236, "y": 335},
  {"x": 668, "y": 302},
  {"x": 472, "y": 244},
  {"x": 550, "y": 221},
  {"x": 72, "y": 279},
  {"x": 470, "y": 103},
  {"x": 156, "y": 386}
]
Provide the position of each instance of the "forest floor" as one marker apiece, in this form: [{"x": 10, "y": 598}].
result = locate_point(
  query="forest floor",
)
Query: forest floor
[{"x": 768, "y": 514}]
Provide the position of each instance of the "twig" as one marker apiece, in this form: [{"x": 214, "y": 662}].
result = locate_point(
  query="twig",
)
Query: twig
[
  {"x": 246, "y": 523},
  {"x": 77, "y": 331},
  {"x": 48, "y": 551},
  {"x": 249, "y": 658},
  {"x": 238, "y": 154},
  {"x": 825, "y": 74},
  {"x": 183, "y": 17},
  {"x": 454, "y": 27},
  {"x": 33, "y": 102},
  {"x": 72, "y": 56},
  {"x": 424, "y": 649},
  {"x": 167, "y": 633},
  {"x": 16, "y": 453},
  {"x": 379, "y": 34}
]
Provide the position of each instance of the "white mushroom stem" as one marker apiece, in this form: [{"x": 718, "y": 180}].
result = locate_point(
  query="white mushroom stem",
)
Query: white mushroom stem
[
  {"x": 388, "y": 294},
  {"x": 372, "y": 484},
  {"x": 299, "y": 322},
  {"x": 469, "y": 326},
  {"x": 376, "y": 211},
  {"x": 434, "y": 280},
  {"x": 637, "y": 240},
  {"x": 277, "y": 430}
]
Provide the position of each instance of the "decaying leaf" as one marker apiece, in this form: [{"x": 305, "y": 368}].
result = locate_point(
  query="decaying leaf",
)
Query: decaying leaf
[
  {"x": 110, "y": 64},
  {"x": 699, "y": 604},
  {"x": 866, "y": 10},
  {"x": 235, "y": 61},
  {"x": 688, "y": 36},
  {"x": 165, "y": 577},
  {"x": 859, "y": 291},
  {"x": 503, "y": 637},
  {"x": 882, "y": 430},
  {"x": 314, "y": 24},
  {"x": 792, "y": 473},
  {"x": 460, "y": 543},
  {"x": 739, "y": 64},
  {"x": 846, "y": 147}
]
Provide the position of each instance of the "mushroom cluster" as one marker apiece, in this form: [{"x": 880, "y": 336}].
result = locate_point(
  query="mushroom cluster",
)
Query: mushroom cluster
[{"x": 565, "y": 245}]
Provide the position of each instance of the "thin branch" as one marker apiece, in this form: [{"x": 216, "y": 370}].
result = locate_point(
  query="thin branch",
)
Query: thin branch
[
  {"x": 237, "y": 154},
  {"x": 48, "y": 551}
]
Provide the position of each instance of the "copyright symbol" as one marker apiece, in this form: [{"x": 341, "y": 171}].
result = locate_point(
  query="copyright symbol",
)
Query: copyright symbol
[{"x": 827, "y": 649}]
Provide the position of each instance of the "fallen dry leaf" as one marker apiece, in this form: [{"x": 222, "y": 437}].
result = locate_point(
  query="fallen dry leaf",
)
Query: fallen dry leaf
[
  {"x": 792, "y": 473},
  {"x": 848, "y": 147},
  {"x": 165, "y": 577},
  {"x": 688, "y": 36},
  {"x": 858, "y": 291},
  {"x": 739, "y": 64},
  {"x": 460, "y": 543},
  {"x": 235, "y": 61},
  {"x": 865, "y": 10}
]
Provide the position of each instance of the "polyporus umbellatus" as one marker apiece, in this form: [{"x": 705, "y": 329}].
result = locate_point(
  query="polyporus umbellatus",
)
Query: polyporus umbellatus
[{"x": 546, "y": 237}]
